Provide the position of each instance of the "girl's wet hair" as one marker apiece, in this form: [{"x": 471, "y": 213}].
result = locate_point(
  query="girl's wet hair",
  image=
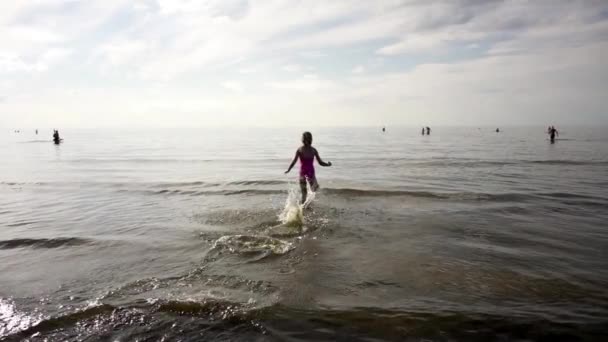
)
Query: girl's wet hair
[{"x": 307, "y": 138}]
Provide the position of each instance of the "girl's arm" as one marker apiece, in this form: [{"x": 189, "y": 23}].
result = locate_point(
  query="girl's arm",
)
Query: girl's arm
[
  {"x": 321, "y": 162},
  {"x": 293, "y": 162}
]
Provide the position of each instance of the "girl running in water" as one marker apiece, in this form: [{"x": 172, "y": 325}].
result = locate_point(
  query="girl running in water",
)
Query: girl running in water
[{"x": 307, "y": 154}]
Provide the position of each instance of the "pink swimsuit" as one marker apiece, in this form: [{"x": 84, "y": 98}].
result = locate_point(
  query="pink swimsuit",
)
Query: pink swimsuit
[{"x": 307, "y": 168}]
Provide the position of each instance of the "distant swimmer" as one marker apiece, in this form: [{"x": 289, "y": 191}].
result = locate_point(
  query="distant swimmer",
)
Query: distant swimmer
[
  {"x": 56, "y": 138},
  {"x": 428, "y": 130},
  {"x": 383, "y": 129},
  {"x": 422, "y": 130},
  {"x": 553, "y": 133},
  {"x": 36, "y": 132},
  {"x": 307, "y": 154},
  {"x": 497, "y": 130}
]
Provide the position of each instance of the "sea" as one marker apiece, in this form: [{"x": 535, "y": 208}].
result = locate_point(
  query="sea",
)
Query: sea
[{"x": 197, "y": 234}]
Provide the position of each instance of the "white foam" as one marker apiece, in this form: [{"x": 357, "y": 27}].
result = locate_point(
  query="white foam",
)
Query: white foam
[
  {"x": 12, "y": 321},
  {"x": 293, "y": 212},
  {"x": 252, "y": 243}
]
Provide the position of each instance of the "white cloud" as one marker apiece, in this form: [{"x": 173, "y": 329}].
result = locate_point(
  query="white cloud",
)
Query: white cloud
[
  {"x": 122, "y": 52},
  {"x": 52, "y": 57},
  {"x": 248, "y": 70},
  {"x": 359, "y": 69},
  {"x": 291, "y": 67},
  {"x": 233, "y": 85},
  {"x": 412, "y": 44},
  {"x": 307, "y": 83},
  {"x": 497, "y": 58},
  {"x": 10, "y": 63}
]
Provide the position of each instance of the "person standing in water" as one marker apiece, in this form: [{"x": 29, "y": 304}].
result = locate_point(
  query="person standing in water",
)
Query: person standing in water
[
  {"x": 428, "y": 130},
  {"x": 553, "y": 133},
  {"x": 422, "y": 130},
  {"x": 56, "y": 138},
  {"x": 307, "y": 155}
]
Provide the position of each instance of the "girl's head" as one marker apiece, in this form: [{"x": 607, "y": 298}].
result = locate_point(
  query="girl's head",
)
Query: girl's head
[{"x": 307, "y": 138}]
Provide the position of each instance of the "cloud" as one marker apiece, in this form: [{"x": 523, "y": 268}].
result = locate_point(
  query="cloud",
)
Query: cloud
[
  {"x": 11, "y": 63},
  {"x": 359, "y": 69},
  {"x": 307, "y": 83},
  {"x": 450, "y": 61},
  {"x": 412, "y": 44},
  {"x": 291, "y": 67},
  {"x": 233, "y": 86},
  {"x": 248, "y": 70},
  {"x": 122, "y": 52}
]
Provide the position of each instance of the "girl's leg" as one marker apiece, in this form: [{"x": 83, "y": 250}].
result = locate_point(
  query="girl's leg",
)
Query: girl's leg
[
  {"x": 303, "y": 189},
  {"x": 314, "y": 186}
]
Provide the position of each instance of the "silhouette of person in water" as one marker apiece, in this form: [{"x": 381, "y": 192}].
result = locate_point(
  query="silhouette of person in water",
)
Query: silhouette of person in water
[
  {"x": 56, "y": 138},
  {"x": 307, "y": 155},
  {"x": 497, "y": 130},
  {"x": 422, "y": 130},
  {"x": 428, "y": 130},
  {"x": 383, "y": 129},
  {"x": 36, "y": 132},
  {"x": 553, "y": 133}
]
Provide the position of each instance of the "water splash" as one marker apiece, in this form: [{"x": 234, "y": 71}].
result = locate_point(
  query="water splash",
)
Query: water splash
[
  {"x": 13, "y": 321},
  {"x": 292, "y": 224},
  {"x": 246, "y": 244},
  {"x": 293, "y": 212}
]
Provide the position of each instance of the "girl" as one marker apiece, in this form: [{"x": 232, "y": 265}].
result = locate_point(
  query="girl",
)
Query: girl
[{"x": 307, "y": 154}]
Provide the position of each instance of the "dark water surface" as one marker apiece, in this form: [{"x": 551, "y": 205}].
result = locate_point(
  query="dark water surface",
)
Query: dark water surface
[{"x": 174, "y": 235}]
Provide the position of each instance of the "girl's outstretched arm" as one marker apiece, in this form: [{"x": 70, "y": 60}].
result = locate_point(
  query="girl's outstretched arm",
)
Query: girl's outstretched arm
[
  {"x": 293, "y": 162},
  {"x": 321, "y": 162}
]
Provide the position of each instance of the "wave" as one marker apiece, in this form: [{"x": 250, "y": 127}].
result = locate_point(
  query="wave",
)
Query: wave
[
  {"x": 569, "y": 162},
  {"x": 212, "y": 319},
  {"x": 248, "y": 244},
  {"x": 431, "y": 195},
  {"x": 345, "y": 192},
  {"x": 43, "y": 243},
  {"x": 153, "y": 185},
  {"x": 216, "y": 192},
  {"x": 201, "y": 188},
  {"x": 567, "y": 195},
  {"x": 179, "y": 184},
  {"x": 53, "y": 323},
  {"x": 101, "y": 318},
  {"x": 447, "y": 162},
  {"x": 463, "y": 196},
  {"x": 258, "y": 182},
  {"x": 35, "y": 141},
  {"x": 21, "y": 183},
  {"x": 386, "y": 324},
  {"x": 470, "y": 196},
  {"x": 210, "y": 184},
  {"x": 12, "y": 320},
  {"x": 21, "y": 223},
  {"x": 169, "y": 160},
  {"x": 410, "y": 161}
]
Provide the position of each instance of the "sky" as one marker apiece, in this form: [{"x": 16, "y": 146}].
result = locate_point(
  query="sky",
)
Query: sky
[{"x": 98, "y": 63}]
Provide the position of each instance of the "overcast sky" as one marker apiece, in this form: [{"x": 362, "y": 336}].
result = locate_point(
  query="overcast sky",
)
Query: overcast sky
[{"x": 286, "y": 62}]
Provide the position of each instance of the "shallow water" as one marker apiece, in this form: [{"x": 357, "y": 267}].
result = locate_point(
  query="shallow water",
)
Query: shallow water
[{"x": 462, "y": 235}]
